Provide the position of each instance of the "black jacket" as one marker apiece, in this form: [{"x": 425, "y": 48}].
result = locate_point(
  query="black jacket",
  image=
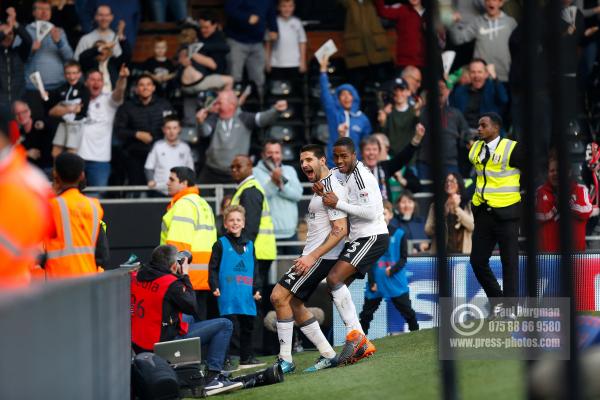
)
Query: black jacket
[
  {"x": 12, "y": 65},
  {"x": 251, "y": 199},
  {"x": 386, "y": 169},
  {"x": 134, "y": 116},
  {"x": 179, "y": 298},
  {"x": 215, "y": 47},
  {"x": 238, "y": 243},
  {"x": 88, "y": 61}
]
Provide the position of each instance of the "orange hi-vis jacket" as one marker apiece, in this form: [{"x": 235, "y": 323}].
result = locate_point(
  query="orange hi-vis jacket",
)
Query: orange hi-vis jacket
[
  {"x": 25, "y": 220},
  {"x": 77, "y": 219}
]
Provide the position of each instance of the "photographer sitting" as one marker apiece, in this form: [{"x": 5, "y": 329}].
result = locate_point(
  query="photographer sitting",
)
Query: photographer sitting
[{"x": 160, "y": 293}]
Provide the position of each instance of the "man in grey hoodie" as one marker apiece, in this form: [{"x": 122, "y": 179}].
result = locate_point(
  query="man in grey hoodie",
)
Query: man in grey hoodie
[
  {"x": 230, "y": 130},
  {"x": 491, "y": 32}
]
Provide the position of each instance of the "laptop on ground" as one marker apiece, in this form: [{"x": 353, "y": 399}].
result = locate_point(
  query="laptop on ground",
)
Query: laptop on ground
[{"x": 179, "y": 352}]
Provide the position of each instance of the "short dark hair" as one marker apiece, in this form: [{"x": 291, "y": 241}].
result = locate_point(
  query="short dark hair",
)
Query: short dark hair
[
  {"x": 208, "y": 16},
  {"x": 185, "y": 174},
  {"x": 171, "y": 118},
  {"x": 142, "y": 76},
  {"x": 316, "y": 149},
  {"x": 69, "y": 167},
  {"x": 369, "y": 140},
  {"x": 494, "y": 117},
  {"x": 71, "y": 63},
  {"x": 164, "y": 256},
  {"x": 347, "y": 142},
  {"x": 478, "y": 60},
  {"x": 92, "y": 71},
  {"x": 272, "y": 141}
]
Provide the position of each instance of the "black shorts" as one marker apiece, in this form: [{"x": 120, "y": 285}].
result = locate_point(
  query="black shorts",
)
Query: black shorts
[
  {"x": 363, "y": 252},
  {"x": 303, "y": 286}
]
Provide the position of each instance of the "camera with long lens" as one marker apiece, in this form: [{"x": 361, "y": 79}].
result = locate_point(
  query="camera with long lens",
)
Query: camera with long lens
[
  {"x": 182, "y": 255},
  {"x": 268, "y": 376}
]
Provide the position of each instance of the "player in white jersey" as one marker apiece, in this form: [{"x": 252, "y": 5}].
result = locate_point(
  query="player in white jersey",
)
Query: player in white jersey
[
  {"x": 327, "y": 227},
  {"x": 368, "y": 241}
]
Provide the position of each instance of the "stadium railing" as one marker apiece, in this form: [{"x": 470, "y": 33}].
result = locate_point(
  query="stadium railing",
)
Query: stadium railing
[{"x": 68, "y": 339}]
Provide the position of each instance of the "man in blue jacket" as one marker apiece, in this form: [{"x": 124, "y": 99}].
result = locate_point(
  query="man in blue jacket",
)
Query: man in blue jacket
[
  {"x": 344, "y": 117},
  {"x": 247, "y": 21},
  {"x": 485, "y": 93}
]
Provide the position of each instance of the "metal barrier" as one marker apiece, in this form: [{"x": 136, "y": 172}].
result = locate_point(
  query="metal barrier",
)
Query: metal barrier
[{"x": 67, "y": 340}]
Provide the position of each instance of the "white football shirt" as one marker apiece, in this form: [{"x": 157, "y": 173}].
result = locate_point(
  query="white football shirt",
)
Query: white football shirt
[
  {"x": 363, "y": 191},
  {"x": 319, "y": 219}
]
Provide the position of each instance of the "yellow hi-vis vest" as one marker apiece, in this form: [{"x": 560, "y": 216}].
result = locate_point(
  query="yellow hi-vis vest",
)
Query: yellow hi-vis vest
[
  {"x": 190, "y": 225},
  {"x": 498, "y": 183},
  {"x": 265, "y": 246}
]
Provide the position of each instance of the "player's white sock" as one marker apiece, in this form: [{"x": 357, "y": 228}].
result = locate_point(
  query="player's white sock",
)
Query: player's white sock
[
  {"x": 285, "y": 332},
  {"x": 313, "y": 332},
  {"x": 345, "y": 306}
]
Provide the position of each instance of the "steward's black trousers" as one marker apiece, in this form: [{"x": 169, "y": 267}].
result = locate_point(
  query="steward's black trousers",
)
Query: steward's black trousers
[{"x": 496, "y": 226}]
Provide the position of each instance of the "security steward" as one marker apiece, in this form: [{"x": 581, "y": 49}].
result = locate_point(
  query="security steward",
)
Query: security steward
[
  {"x": 72, "y": 251},
  {"x": 189, "y": 224},
  {"x": 24, "y": 213},
  {"x": 496, "y": 207},
  {"x": 259, "y": 225}
]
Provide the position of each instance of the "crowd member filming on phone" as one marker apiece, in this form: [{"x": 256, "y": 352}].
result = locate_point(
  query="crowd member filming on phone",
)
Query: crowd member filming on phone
[{"x": 283, "y": 191}]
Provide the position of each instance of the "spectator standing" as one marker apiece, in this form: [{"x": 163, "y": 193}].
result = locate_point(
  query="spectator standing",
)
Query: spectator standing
[
  {"x": 547, "y": 211},
  {"x": 68, "y": 104},
  {"x": 161, "y": 68},
  {"x": 410, "y": 38},
  {"x": 103, "y": 18},
  {"x": 410, "y": 222},
  {"x": 459, "y": 218},
  {"x": 259, "y": 224},
  {"x": 413, "y": 78},
  {"x": 72, "y": 251},
  {"x": 286, "y": 56},
  {"x": 138, "y": 124},
  {"x": 177, "y": 9},
  {"x": 25, "y": 189},
  {"x": 230, "y": 130},
  {"x": 164, "y": 291},
  {"x": 101, "y": 57},
  {"x": 35, "y": 137},
  {"x": 247, "y": 23},
  {"x": 232, "y": 277},
  {"x": 485, "y": 93},
  {"x": 491, "y": 33},
  {"x": 97, "y": 130},
  {"x": 282, "y": 189},
  {"x": 366, "y": 44},
  {"x": 344, "y": 117},
  {"x": 13, "y": 56},
  {"x": 387, "y": 279},
  {"x": 47, "y": 57},
  {"x": 189, "y": 224},
  {"x": 455, "y": 137},
  {"x": 384, "y": 170},
  {"x": 398, "y": 119},
  {"x": 166, "y": 154},
  {"x": 64, "y": 13}
]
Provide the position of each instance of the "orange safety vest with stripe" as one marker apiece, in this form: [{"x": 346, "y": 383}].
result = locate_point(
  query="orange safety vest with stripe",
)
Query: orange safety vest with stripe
[
  {"x": 189, "y": 224},
  {"x": 72, "y": 252},
  {"x": 24, "y": 217}
]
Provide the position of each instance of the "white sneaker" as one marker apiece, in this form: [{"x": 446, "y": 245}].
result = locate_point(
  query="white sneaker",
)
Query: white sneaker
[{"x": 221, "y": 384}]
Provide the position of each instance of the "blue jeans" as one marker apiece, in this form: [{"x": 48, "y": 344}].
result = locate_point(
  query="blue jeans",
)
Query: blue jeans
[
  {"x": 214, "y": 335},
  {"x": 97, "y": 173},
  {"x": 178, "y": 9}
]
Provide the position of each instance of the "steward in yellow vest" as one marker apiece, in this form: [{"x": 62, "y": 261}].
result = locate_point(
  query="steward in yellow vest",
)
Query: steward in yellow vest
[
  {"x": 189, "y": 224},
  {"x": 496, "y": 208}
]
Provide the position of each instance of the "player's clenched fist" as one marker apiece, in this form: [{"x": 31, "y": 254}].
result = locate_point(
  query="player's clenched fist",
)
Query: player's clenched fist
[{"x": 330, "y": 199}]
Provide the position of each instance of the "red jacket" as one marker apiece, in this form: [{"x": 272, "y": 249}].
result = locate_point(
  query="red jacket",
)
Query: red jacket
[
  {"x": 547, "y": 215},
  {"x": 410, "y": 38}
]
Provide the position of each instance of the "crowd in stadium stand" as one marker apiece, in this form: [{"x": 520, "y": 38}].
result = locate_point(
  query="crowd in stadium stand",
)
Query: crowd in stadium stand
[{"x": 68, "y": 80}]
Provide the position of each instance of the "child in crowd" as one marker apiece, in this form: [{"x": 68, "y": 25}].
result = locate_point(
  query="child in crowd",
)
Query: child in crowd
[
  {"x": 161, "y": 69},
  {"x": 387, "y": 278},
  {"x": 166, "y": 154},
  {"x": 286, "y": 57},
  {"x": 232, "y": 272},
  {"x": 69, "y": 103}
]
